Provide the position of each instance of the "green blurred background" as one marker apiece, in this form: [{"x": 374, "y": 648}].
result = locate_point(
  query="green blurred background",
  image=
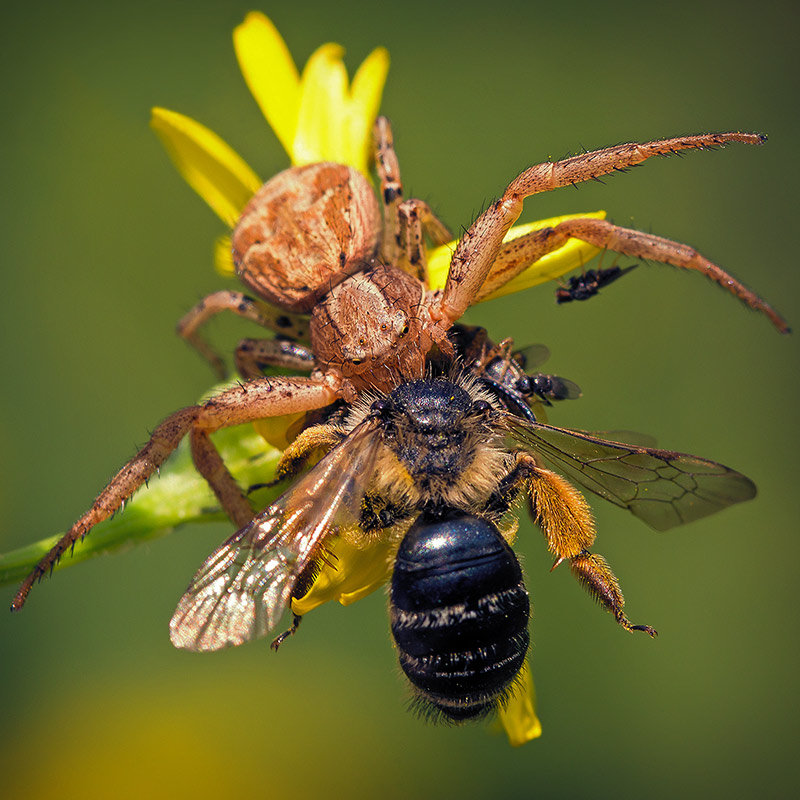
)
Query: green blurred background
[{"x": 106, "y": 247}]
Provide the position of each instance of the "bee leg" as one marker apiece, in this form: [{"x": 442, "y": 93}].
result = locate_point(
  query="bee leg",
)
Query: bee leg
[
  {"x": 566, "y": 521},
  {"x": 505, "y": 493},
  {"x": 560, "y": 511},
  {"x": 318, "y": 438},
  {"x": 594, "y": 574},
  {"x": 378, "y": 515},
  {"x": 279, "y": 640}
]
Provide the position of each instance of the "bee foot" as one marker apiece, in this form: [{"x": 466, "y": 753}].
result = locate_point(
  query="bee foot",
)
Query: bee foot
[
  {"x": 652, "y": 632},
  {"x": 279, "y": 640}
]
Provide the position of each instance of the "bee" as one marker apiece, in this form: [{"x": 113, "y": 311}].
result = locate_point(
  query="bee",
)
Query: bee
[{"x": 436, "y": 467}]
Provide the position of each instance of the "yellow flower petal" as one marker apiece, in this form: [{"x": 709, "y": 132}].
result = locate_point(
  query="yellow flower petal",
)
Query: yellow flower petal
[
  {"x": 223, "y": 256},
  {"x": 573, "y": 255},
  {"x": 353, "y": 573},
  {"x": 365, "y": 101},
  {"x": 278, "y": 431},
  {"x": 209, "y": 166},
  {"x": 270, "y": 74},
  {"x": 323, "y": 108},
  {"x": 518, "y": 716}
]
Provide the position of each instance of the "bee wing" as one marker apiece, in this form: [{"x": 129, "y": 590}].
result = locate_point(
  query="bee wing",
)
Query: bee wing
[
  {"x": 661, "y": 487},
  {"x": 245, "y": 585},
  {"x": 623, "y": 436}
]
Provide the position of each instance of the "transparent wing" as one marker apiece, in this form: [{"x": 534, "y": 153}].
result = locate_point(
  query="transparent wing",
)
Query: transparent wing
[
  {"x": 661, "y": 487},
  {"x": 565, "y": 389},
  {"x": 533, "y": 355},
  {"x": 556, "y": 387},
  {"x": 245, "y": 585},
  {"x": 621, "y": 436}
]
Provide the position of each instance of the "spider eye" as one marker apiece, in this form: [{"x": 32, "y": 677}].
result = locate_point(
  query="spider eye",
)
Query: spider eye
[
  {"x": 356, "y": 361},
  {"x": 404, "y": 330}
]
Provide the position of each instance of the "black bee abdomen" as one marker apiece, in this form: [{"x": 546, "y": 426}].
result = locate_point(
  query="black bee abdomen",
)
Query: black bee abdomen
[{"x": 459, "y": 614}]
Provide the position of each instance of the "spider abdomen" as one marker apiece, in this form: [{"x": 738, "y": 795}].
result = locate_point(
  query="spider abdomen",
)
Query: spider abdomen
[
  {"x": 305, "y": 230},
  {"x": 459, "y": 614}
]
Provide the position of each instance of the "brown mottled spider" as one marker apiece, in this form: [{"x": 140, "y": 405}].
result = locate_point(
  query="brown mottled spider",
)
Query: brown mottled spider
[{"x": 314, "y": 239}]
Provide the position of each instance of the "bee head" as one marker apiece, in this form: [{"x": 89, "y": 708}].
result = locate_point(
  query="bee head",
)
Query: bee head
[{"x": 432, "y": 425}]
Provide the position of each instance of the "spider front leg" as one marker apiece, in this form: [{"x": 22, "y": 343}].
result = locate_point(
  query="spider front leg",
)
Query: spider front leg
[
  {"x": 235, "y": 406},
  {"x": 278, "y": 320},
  {"x": 279, "y": 640},
  {"x": 637, "y": 244},
  {"x": 480, "y": 246}
]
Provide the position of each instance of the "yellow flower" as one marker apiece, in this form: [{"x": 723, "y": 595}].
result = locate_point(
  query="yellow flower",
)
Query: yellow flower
[{"x": 518, "y": 714}]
